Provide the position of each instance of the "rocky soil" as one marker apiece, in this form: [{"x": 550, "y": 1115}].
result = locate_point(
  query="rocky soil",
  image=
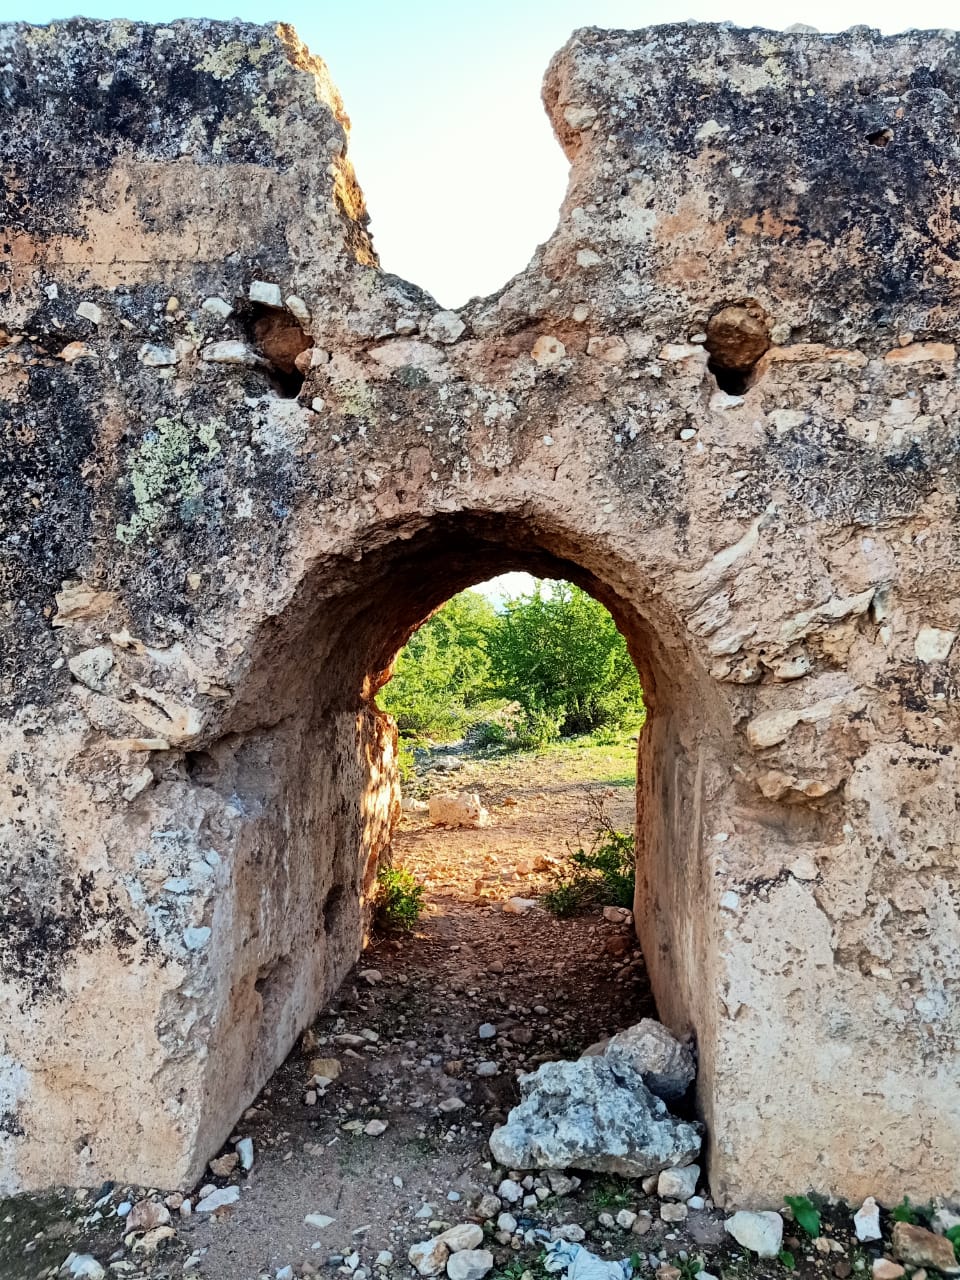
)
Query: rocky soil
[{"x": 372, "y": 1138}]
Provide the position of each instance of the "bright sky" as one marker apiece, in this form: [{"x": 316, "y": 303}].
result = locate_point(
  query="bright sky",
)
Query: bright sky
[{"x": 451, "y": 145}]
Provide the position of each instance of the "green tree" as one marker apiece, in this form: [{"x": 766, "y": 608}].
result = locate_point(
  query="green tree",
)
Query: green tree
[
  {"x": 558, "y": 652},
  {"x": 443, "y": 671}
]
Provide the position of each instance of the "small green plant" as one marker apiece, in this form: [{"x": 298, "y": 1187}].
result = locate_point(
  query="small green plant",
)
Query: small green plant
[
  {"x": 399, "y": 902},
  {"x": 787, "y": 1259},
  {"x": 904, "y": 1212},
  {"x": 600, "y": 874},
  {"x": 806, "y": 1213}
]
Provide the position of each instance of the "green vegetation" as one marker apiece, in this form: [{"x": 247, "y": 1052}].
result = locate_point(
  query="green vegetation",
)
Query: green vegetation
[
  {"x": 399, "y": 901},
  {"x": 953, "y": 1235},
  {"x": 601, "y": 874},
  {"x": 805, "y": 1213},
  {"x": 545, "y": 666}
]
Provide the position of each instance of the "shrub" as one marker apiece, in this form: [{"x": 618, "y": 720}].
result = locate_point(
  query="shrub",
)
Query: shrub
[
  {"x": 603, "y": 874},
  {"x": 399, "y": 901}
]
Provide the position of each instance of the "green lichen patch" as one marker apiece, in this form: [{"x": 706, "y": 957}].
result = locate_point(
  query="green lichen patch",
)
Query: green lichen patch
[{"x": 167, "y": 467}]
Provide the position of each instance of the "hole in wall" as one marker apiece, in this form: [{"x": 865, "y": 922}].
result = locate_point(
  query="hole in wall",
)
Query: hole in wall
[
  {"x": 277, "y": 336},
  {"x": 333, "y": 905},
  {"x": 737, "y": 336},
  {"x": 880, "y": 137}
]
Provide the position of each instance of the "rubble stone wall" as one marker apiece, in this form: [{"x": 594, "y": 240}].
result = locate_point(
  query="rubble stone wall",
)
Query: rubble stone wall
[{"x": 239, "y": 464}]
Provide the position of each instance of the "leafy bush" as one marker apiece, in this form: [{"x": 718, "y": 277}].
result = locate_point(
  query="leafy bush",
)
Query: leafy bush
[
  {"x": 559, "y": 654},
  {"x": 603, "y": 874},
  {"x": 399, "y": 901}
]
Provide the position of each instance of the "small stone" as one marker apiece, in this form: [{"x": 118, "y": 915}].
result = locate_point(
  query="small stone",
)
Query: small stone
[
  {"x": 488, "y": 1206},
  {"x": 195, "y": 939},
  {"x": 672, "y": 1212},
  {"x": 519, "y": 906},
  {"x": 933, "y": 644},
  {"x": 156, "y": 357},
  {"x": 318, "y": 1221},
  {"x": 285, "y": 1273},
  {"x": 885, "y": 1269},
  {"x": 643, "y": 1223},
  {"x": 449, "y": 1105},
  {"x": 561, "y": 1184},
  {"x": 626, "y": 1218},
  {"x": 572, "y": 1232},
  {"x": 445, "y": 326},
  {"x": 374, "y": 1128},
  {"x": 510, "y": 1191},
  {"x": 487, "y": 1069},
  {"x": 90, "y": 311},
  {"x": 866, "y": 1221},
  {"x": 761, "y": 1233},
  {"x": 507, "y": 1222},
  {"x": 548, "y": 350},
  {"x": 696, "y": 1202},
  {"x": 86, "y": 1267},
  {"x": 223, "y": 1166},
  {"x": 327, "y": 1069},
  {"x": 842, "y": 1269},
  {"x": 219, "y": 1198},
  {"x": 231, "y": 352},
  {"x": 371, "y": 976},
  {"x": 267, "y": 294},
  {"x": 92, "y": 666},
  {"x": 217, "y": 307},
  {"x": 467, "y": 1235},
  {"x": 245, "y": 1152},
  {"x": 487, "y": 1031},
  {"x": 678, "y": 1184},
  {"x": 618, "y": 915},
  {"x": 469, "y": 1264},
  {"x": 649, "y": 1185},
  {"x": 152, "y": 1241},
  {"x": 145, "y": 1215},
  {"x": 428, "y": 1257},
  {"x": 921, "y": 1248},
  {"x": 298, "y": 309}
]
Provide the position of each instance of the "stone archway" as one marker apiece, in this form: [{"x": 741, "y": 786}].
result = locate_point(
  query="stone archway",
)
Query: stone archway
[{"x": 241, "y": 464}]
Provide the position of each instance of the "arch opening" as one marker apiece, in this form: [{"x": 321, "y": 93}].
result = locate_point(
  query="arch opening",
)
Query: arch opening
[{"x": 312, "y": 761}]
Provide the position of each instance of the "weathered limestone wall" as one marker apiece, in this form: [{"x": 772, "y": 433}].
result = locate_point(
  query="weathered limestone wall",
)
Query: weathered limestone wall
[{"x": 239, "y": 464}]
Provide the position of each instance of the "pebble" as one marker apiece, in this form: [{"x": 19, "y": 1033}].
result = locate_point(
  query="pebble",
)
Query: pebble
[
  {"x": 218, "y": 1198},
  {"x": 371, "y": 976},
  {"x": 428, "y": 1257},
  {"x": 696, "y": 1202},
  {"x": 866, "y": 1221},
  {"x": 268, "y": 294},
  {"x": 145, "y": 1215},
  {"x": 85, "y": 1265},
  {"x": 672, "y": 1212},
  {"x": 469, "y": 1264},
  {"x": 510, "y": 1191},
  {"x": 884, "y": 1269},
  {"x": 572, "y": 1232},
  {"x": 285, "y": 1273},
  {"x": 487, "y": 1031},
  {"x": 488, "y": 1206},
  {"x": 507, "y": 1222},
  {"x": 223, "y": 1166},
  {"x": 519, "y": 906},
  {"x": 90, "y": 311},
  {"x": 448, "y": 1105},
  {"x": 921, "y": 1248},
  {"x": 383, "y": 1259},
  {"x": 761, "y": 1233},
  {"x": 678, "y": 1184},
  {"x": 467, "y": 1235},
  {"x": 245, "y": 1152},
  {"x": 318, "y": 1220},
  {"x": 487, "y": 1069},
  {"x": 626, "y": 1218},
  {"x": 375, "y": 1127}
]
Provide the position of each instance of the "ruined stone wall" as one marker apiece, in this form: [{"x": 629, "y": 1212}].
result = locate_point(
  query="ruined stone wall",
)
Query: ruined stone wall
[{"x": 239, "y": 464}]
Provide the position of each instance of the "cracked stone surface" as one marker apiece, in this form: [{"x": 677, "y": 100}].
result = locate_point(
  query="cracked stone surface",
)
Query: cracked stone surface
[{"x": 243, "y": 464}]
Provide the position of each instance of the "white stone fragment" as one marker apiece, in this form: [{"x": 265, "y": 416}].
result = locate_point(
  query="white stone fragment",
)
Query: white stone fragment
[
  {"x": 761, "y": 1233},
  {"x": 195, "y": 939},
  {"x": 428, "y": 1257},
  {"x": 87, "y": 1267},
  {"x": 155, "y": 357},
  {"x": 453, "y": 809},
  {"x": 231, "y": 352},
  {"x": 245, "y": 1152},
  {"x": 469, "y": 1264},
  {"x": 267, "y": 294},
  {"x": 933, "y": 644},
  {"x": 217, "y": 307},
  {"x": 90, "y": 311},
  {"x": 92, "y": 666},
  {"x": 445, "y": 326},
  {"x": 318, "y": 1221},
  {"x": 219, "y": 1198},
  {"x": 548, "y": 350},
  {"x": 299, "y": 310},
  {"x": 866, "y": 1221},
  {"x": 678, "y": 1184},
  {"x": 466, "y": 1235}
]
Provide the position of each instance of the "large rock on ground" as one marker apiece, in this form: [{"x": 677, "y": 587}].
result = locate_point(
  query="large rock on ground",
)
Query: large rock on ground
[
  {"x": 666, "y": 1065},
  {"x": 595, "y": 1113},
  {"x": 453, "y": 809}
]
